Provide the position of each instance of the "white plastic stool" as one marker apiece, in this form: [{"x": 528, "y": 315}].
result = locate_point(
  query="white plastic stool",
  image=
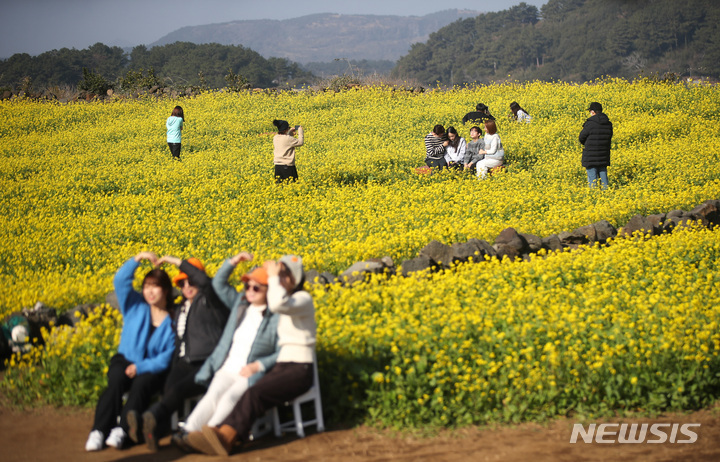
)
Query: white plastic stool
[
  {"x": 298, "y": 424},
  {"x": 262, "y": 426}
]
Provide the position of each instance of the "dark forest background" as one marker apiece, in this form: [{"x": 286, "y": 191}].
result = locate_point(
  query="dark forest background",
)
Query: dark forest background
[{"x": 570, "y": 40}]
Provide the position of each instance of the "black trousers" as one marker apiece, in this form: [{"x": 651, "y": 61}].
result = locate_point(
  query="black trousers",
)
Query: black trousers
[
  {"x": 141, "y": 389},
  {"x": 285, "y": 172},
  {"x": 175, "y": 150},
  {"x": 284, "y": 382},
  {"x": 179, "y": 385},
  {"x": 436, "y": 163}
]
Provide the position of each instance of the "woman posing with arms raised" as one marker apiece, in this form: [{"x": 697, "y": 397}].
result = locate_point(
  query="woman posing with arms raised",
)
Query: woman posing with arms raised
[
  {"x": 293, "y": 373},
  {"x": 146, "y": 346},
  {"x": 247, "y": 349},
  {"x": 200, "y": 320}
]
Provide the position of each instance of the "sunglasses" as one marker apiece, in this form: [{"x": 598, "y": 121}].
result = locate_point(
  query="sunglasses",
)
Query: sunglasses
[
  {"x": 182, "y": 283},
  {"x": 255, "y": 287}
]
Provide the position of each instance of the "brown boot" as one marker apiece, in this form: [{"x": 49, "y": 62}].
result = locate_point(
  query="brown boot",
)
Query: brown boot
[{"x": 221, "y": 439}]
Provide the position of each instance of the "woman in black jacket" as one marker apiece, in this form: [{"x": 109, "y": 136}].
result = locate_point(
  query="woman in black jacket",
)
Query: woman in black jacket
[
  {"x": 596, "y": 136},
  {"x": 199, "y": 323}
]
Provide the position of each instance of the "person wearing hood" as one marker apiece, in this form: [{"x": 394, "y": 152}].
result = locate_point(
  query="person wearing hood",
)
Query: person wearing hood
[
  {"x": 596, "y": 136},
  {"x": 293, "y": 372}
]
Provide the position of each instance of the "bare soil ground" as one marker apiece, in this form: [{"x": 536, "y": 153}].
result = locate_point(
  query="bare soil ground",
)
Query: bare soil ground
[{"x": 58, "y": 435}]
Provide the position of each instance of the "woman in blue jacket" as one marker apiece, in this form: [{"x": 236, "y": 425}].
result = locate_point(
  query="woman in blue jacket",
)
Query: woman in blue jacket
[{"x": 146, "y": 346}]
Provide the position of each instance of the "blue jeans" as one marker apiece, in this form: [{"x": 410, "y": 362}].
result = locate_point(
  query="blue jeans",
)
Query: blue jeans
[{"x": 592, "y": 174}]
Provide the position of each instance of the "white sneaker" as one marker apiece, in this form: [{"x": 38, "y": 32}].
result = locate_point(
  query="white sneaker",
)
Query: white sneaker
[
  {"x": 95, "y": 441},
  {"x": 116, "y": 438}
]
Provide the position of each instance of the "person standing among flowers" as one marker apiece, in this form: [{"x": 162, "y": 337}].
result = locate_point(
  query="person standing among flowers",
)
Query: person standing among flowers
[
  {"x": 174, "y": 125},
  {"x": 199, "y": 322},
  {"x": 284, "y": 144},
  {"x": 146, "y": 346},
  {"x": 596, "y": 137},
  {"x": 293, "y": 373}
]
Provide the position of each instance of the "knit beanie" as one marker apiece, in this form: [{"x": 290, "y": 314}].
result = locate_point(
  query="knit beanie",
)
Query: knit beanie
[
  {"x": 281, "y": 125},
  {"x": 294, "y": 265}
]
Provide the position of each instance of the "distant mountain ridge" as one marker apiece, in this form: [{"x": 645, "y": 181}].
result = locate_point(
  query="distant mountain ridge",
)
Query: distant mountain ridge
[{"x": 323, "y": 37}]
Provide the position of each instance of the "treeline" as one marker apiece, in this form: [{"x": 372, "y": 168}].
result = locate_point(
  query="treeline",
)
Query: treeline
[
  {"x": 180, "y": 64},
  {"x": 573, "y": 40}
]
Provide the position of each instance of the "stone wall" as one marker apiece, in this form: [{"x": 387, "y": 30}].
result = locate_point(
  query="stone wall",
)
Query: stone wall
[{"x": 512, "y": 244}]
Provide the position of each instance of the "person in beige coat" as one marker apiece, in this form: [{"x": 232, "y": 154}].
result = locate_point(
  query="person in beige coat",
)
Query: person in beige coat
[{"x": 285, "y": 143}]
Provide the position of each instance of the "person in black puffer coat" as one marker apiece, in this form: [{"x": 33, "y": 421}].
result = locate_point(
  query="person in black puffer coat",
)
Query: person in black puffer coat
[
  {"x": 199, "y": 322},
  {"x": 596, "y": 136}
]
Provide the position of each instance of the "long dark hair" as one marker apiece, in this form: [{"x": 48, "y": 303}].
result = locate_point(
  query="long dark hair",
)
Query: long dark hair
[
  {"x": 456, "y": 142},
  {"x": 161, "y": 279},
  {"x": 178, "y": 112},
  {"x": 515, "y": 107}
]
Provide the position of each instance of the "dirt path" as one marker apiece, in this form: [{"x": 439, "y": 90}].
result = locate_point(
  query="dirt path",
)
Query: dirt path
[{"x": 58, "y": 435}]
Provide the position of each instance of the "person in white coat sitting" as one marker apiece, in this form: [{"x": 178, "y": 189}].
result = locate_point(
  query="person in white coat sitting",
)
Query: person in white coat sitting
[{"x": 494, "y": 152}]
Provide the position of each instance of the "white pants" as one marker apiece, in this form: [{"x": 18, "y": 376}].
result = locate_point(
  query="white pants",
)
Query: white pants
[
  {"x": 486, "y": 164},
  {"x": 225, "y": 390}
]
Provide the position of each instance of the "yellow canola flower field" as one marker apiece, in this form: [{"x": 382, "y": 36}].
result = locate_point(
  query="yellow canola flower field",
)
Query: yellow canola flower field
[
  {"x": 630, "y": 326},
  {"x": 85, "y": 186}
]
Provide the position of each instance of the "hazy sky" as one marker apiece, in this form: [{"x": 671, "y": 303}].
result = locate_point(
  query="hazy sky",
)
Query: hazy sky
[{"x": 35, "y": 26}]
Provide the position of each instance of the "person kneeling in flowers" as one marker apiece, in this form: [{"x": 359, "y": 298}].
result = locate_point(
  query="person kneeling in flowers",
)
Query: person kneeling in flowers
[
  {"x": 146, "y": 346},
  {"x": 247, "y": 349},
  {"x": 199, "y": 321},
  {"x": 293, "y": 373}
]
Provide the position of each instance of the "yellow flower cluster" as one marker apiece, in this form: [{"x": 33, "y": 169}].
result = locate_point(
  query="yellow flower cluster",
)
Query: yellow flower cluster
[
  {"x": 621, "y": 327},
  {"x": 85, "y": 186},
  {"x": 70, "y": 368}
]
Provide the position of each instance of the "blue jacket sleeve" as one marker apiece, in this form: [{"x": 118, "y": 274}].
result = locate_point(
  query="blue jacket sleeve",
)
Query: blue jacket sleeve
[
  {"x": 225, "y": 292},
  {"x": 123, "y": 283},
  {"x": 160, "y": 349}
]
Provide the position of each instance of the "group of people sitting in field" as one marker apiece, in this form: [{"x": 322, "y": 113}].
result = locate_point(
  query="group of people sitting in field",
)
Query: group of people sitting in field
[
  {"x": 245, "y": 350},
  {"x": 447, "y": 149}
]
